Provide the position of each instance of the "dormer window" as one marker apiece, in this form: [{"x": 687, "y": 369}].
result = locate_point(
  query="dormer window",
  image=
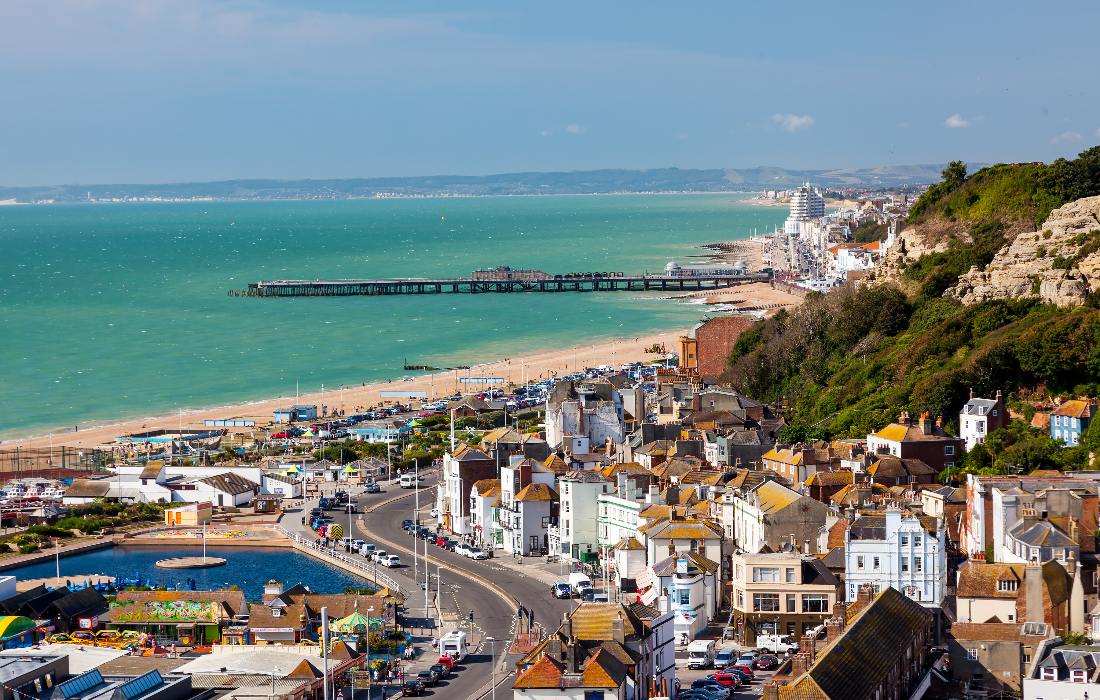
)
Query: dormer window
[
  {"x": 1079, "y": 676},
  {"x": 1049, "y": 674},
  {"x": 276, "y": 612},
  {"x": 1007, "y": 585}
]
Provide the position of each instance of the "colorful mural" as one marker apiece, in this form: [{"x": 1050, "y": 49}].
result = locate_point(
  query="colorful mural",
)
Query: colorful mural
[{"x": 175, "y": 611}]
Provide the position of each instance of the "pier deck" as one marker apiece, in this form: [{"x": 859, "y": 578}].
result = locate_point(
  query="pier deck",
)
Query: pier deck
[{"x": 620, "y": 283}]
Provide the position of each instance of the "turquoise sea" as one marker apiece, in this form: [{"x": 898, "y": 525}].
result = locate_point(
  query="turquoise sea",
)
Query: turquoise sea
[{"x": 115, "y": 311}]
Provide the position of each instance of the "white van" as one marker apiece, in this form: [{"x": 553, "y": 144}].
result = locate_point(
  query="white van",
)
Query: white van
[
  {"x": 408, "y": 481},
  {"x": 577, "y": 581},
  {"x": 701, "y": 653},
  {"x": 453, "y": 644},
  {"x": 776, "y": 644}
]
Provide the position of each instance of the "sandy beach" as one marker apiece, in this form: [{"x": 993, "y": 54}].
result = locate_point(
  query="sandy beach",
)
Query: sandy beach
[{"x": 514, "y": 369}]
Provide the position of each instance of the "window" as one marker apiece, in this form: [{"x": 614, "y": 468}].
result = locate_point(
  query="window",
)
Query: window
[
  {"x": 761, "y": 574},
  {"x": 1007, "y": 585},
  {"x": 917, "y": 565},
  {"x": 815, "y": 602},
  {"x": 593, "y": 695},
  {"x": 765, "y": 602},
  {"x": 859, "y": 562},
  {"x": 791, "y": 603},
  {"x": 972, "y": 654},
  {"x": 904, "y": 564},
  {"x": 1049, "y": 674},
  {"x": 874, "y": 563},
  {"x": 904, "y": 540},
  {"x": 566, "y": 506},
  {"x": 685, "y": 597},
  {"x": 740, "y": 600},
  {"x": 790, "y": 575},
  {"x": 1078, "y": 676}
]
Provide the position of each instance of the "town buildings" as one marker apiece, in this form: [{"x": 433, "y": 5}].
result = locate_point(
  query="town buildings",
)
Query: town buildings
[
  {"x": 1069, "y": 420},
  {"x": 924, "y": 439},
  {"x": 771, "y": 515}
]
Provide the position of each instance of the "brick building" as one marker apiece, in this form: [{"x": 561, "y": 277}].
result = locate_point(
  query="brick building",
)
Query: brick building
[{"x": 706, "y": 349}]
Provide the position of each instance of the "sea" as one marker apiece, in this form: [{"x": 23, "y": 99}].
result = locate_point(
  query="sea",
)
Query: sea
[{"x": 117, "y": 311}]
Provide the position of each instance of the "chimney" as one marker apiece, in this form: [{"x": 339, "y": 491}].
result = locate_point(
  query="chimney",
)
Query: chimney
[
  {"x": 696, "y": 403},
  {"x": 799, "y": 664},
  {"x": 770, "y": 691},
  {"x": 806, "y": 547},
  {"x": 1074, "y": 531},
  {"x": 808, "y": 646},
  {"x": 653, "y": 495},
  {"x": 971, "y": 393},
  {"x": 1033, "y": 593},
  {"x": 567, "y": 625},
  {"x": 926, "y": 423},
  {"x": 997, "y": 396},
  {"x": 620, "y": 483},
  {"x": 939, "y": 422},
  {"x": 608, "y": 444},
  {"x": 903, "y": 418},
  {"x": 865, "y": 594},
  {"x": 617, "y": 632},
  {"x": 672, "y": 495},
  {"x": 832, "y": 630},
  {"x": 840, "y": 614}
]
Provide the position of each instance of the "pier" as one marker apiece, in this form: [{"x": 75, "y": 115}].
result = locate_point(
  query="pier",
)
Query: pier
[{"x": 577, "y": 282}]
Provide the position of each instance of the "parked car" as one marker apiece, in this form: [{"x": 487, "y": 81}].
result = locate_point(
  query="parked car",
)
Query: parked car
[
  {"x": 725, "y": 657},
  {"x": 476, "y": 553},
  {"x": 413, "y": 687},
  {"x": 447, "y": 662},
  {"x": 747, "y": 658},
  {"x": 461, "y": 548},
  {"x": 730, "y": 680},
  {"x": 427, "y": 678},
  {"x": 441, "y": 670},
  {"x": 561, "y": 590},
  {"x": 766, "y": 662},
  {"x": 379, "y": 555},
  {"x": 391, "y": 561},
  {"x": 407, "y": 524},
  {"x": 710, "y": 684},
  {"x": 745, "y": 669}
]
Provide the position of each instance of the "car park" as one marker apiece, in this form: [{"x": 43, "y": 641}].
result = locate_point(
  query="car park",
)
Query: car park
[{"x": 744, "y": 669}]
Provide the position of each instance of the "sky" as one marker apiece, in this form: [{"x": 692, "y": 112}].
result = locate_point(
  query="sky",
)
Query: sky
[{"x": 136, "y": 91}]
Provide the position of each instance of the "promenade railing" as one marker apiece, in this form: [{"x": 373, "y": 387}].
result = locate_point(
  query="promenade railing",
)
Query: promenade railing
[{"x": 368, "y": 569}]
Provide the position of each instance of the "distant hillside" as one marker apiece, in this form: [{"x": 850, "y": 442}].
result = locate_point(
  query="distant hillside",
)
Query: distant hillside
[{"x": 580, "y": 182}]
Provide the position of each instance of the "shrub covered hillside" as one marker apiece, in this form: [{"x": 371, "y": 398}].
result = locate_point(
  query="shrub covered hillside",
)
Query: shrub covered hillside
[{"x": 848, "y": 361}]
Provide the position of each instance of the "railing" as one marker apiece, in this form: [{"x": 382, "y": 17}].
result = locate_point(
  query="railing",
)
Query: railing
[{"x": 369, "y": 570}]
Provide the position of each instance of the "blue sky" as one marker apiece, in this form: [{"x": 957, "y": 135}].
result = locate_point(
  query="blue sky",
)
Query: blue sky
[{"x": 171, "y": 90}]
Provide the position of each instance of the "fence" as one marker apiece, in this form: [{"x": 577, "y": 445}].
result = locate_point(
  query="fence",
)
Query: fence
[{"x": 334, "y": 556}]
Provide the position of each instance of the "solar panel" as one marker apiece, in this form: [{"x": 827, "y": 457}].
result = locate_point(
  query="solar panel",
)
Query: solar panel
[
  {"x": 81, "y": 684},
  {"x": 141, "y": 685}
]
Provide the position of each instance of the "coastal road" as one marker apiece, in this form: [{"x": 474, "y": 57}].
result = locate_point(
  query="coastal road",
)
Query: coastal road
[{"x": 381, "y": 520}]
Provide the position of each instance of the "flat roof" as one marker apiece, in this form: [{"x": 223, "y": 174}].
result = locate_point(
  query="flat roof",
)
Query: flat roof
[
  {"x": 81, "y": 658},
  {"x": 17, "y": 666}
]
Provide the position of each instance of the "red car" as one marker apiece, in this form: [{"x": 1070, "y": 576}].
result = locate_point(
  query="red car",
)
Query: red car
[
  {"x": 280, "y": 436},
  {"x": 745, "y": 669},
  {"x": 446, "y": 662},
  {"x": 727, "y": 679}
]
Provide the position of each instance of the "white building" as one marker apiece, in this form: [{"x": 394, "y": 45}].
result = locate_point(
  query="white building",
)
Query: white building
[
  {"x": 578, "y": 528},
  {"x": 979, "y": 417},
  {"x": 483, "y": 496},
  {"x": 620, "y": 510},
  {"x": 807, "y": 204},
  {"x": 526, "y": 524},
  {"x": 904, "y": 552},
  {"x": 593, "y": 410},
  {"x": 1063, "y": 672},
  {"x": 691, "y": 583}
]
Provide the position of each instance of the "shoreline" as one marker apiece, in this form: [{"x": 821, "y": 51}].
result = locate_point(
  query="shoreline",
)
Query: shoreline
[{"x": 519, "y": 369}]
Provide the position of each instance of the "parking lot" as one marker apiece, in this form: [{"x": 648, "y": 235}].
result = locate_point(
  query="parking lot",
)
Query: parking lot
[{"x": 752, "y": 689}]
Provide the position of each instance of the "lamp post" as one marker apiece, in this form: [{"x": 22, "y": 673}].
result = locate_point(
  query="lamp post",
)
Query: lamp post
[
  {"x": 274, "y": 670},
  {"x": 493, "y": 661},
  {"x": 370, "y": 675}
]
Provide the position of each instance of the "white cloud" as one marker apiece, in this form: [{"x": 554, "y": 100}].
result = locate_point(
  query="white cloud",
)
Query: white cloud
[
  {"x": 956, "y": 121},
  {"x": 793, "y": 122},
  {"x": 575, "y": 129},
  {"x": 1066, "y": 137}
]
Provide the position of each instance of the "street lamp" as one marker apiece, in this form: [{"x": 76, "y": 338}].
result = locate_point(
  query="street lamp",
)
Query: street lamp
[
  {"x": 370, "y": 675},
  {"x": 274, "y": 670},
  {"x": 493, "y": 661}
]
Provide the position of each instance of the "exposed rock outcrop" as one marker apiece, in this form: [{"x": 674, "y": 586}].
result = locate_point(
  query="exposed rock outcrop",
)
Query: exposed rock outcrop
[{"x": 1059, "y": 264}]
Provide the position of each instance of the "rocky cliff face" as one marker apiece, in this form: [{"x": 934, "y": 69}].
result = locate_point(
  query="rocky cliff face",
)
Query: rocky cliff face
[{"x": 1059, "y": 264}]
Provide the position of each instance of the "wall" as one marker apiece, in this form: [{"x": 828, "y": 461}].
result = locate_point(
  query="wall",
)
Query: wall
[{"x": 715, "y": 340}]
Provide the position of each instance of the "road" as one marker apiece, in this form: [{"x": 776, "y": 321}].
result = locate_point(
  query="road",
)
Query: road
[{"x": 464, "y": 583}]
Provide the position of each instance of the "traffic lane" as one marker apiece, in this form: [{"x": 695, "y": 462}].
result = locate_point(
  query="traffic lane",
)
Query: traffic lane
[
  {"x": 494, "y": 616},
  {"x": 531, "y": 593}
]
